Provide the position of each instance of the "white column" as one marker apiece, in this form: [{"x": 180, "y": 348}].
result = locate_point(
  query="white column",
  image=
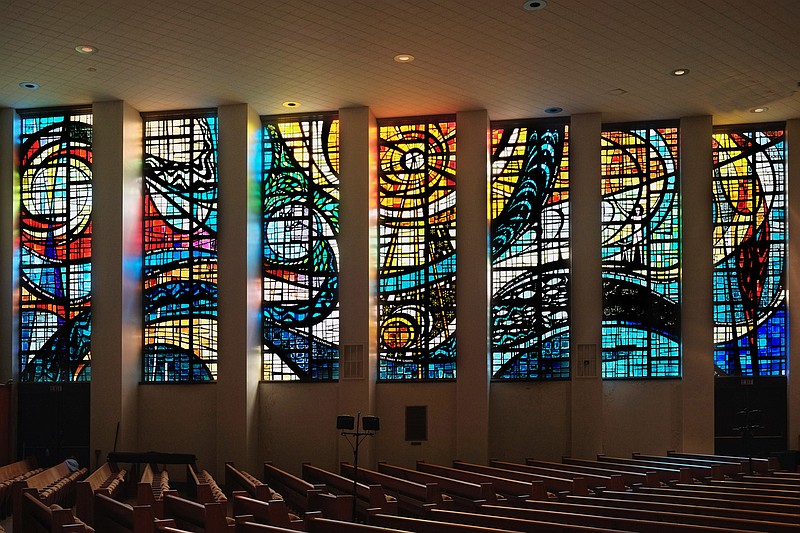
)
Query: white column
[
  {"x": 697, "y": 320},
  {"x": 238, "y": 282},
  {"x": 793, "y": 281},
  {"x": 9, "y": 211},
  {"x": 358, "y": 265},
  {"x": 586, "y": 426},
  {"x": 472, "y": 295},
  {"x": 116, "y": 273}
]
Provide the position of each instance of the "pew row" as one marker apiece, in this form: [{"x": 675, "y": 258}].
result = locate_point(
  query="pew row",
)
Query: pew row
[
  {"x": 465, "y": 494},
  {"x": 109, "y": 479},
  {"x": 112, "y": 516},
  {"x": 413, "y": 498},
  {"x": 273, "y": 512},
  {"x": 10, "y": 473},
  {"x": 553, "y": 484},
  {"x": 596, "y": 482},
  {"x": 152, "y": 486},
  {"x": 209, "y": 517},
  {"x": 305, "y": 497},
  {"x": 33, "y": 516},
  {"x": 241, "y": 480},
  {"x": 369, "y": 498},
  {"x": 203, "y": 486},
  {"x": 508, "y": 488}
]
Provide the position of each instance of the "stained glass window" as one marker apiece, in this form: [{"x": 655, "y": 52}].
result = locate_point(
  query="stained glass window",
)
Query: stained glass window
[
  {"x": 641, "y": 222},
  {"x": 417, "y": 250},
  {"x": 530, "y": 251},
  {"x": 300, "y": 254},
  {"x": 55, "y": 238},
  {"x": 750, "y": 326},
  {"x": 180, "y": 247}
]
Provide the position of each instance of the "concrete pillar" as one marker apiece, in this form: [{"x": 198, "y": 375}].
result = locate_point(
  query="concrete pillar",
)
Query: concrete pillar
[
  {"x": 9, "y": 266},
  {"x": 358, "y": 266},
  {"x": 239, "y": 286},
  {"x": 793, "y": 280},
  {"x": 116, "y": 273},
  {"x": 697, "y": 320},
  {"x": 472, "y": 297},
  {"x": 586, "y": 424}
]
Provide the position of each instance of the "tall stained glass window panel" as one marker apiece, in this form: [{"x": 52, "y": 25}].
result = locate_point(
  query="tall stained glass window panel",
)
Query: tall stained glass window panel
[
  {"x": 641, "y": 225},
  {"x": 530, "y": 251},
  {"x": 55, "y": 239},
  {"x": 417, "y": 249},
  {"x": 300, "y": 266},
  {"x": 750, "y": 323},
  {"x": 180, "y": 247}
]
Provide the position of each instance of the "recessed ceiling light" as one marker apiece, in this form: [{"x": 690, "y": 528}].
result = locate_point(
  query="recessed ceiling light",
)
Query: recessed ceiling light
[
  {"x": 553, "y": 110},
  {"x": 29, "y": 85},
  {"x": 617, "y": 92},
  {"x": 680, "y": 72},
  {"x": 85, "y": 49},
  {"x": 404, "y": 58},
  {"x": 762, "y": 109},
  {"x": 534, "y": 5},
  {"x": 291, "y": 104}
]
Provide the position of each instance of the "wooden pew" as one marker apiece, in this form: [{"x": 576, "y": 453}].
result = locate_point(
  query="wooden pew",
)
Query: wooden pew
[
  {"x": 684, "y": 508},
  {"x": 465, "y": 494},
  {"x": 108, "y": 479},
  {"x": 729, "y": 493},
  {"x": 760, "y": 464},
  {"x": 306, "y": 497},
  {"x": 413, "y": 498},
  {"x": 244, "y": 525},
  {"x": 431, "y": 526},
  {"x": 706, "y": 499},
  {"x": 292, "y": 488},
  {"x": 236, "y": 479},
  {"x": 273, "y": 513},
  {"x": 10, "y": 473},
  {"x": 509, "y": 488},
  {"x": 665, "y": 475},
  {"x": 775, "y": 488},
  {"x": 776, "y": 478},
  {"x": 369, "y": 498},
  {"x": 686, "y": 517},
  {"x": 555, "y": 485},
  {"x": 726, "y": 468},
  {"x": 203, "y": 486},
  {"x": 152, "y": 486},
  {"x": 209, "y": 517},
  {"x": 112, "y": 516},
  {"x": 55, "y": 484},
  {"x": 594, "y": 481},
  {"x": 34, "y": 516},
  {"x": 630, "y": 479},
  {"x": 518, "y": 518},
  {"x": 700, "y": 473}
]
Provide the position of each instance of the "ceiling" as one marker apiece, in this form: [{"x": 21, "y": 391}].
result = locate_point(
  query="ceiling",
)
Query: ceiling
[{"x": 612, "y": 56}]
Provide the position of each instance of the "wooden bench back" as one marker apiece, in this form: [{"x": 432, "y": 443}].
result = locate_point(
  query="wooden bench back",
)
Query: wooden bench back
[{"x": 507, "y": 487}]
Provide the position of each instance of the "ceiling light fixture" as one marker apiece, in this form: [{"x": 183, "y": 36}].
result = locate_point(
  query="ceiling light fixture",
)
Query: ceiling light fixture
[
  {"x": 762, "y": 109},
  {"x": 404, "y": 58},
  {"x": 29, "y": 85},
  {"x": 85, "y": 49},
  {"x": 553, "y": 110},
  {"x": 680, "y": 72},
  {"x": 534, "y": 5},
  {"x": 291, "y": 104}
]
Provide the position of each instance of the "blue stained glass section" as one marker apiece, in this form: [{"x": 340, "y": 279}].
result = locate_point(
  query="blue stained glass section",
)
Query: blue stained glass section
[
  {"x": 180, "y": 248},
  {"x": 641, "y": 228},
  {"x": 530, "y": 251},
  {"x": 55, "y": 238},
  {"x": 750, "y": 322},
  {"x": 300, "y": 268}
]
